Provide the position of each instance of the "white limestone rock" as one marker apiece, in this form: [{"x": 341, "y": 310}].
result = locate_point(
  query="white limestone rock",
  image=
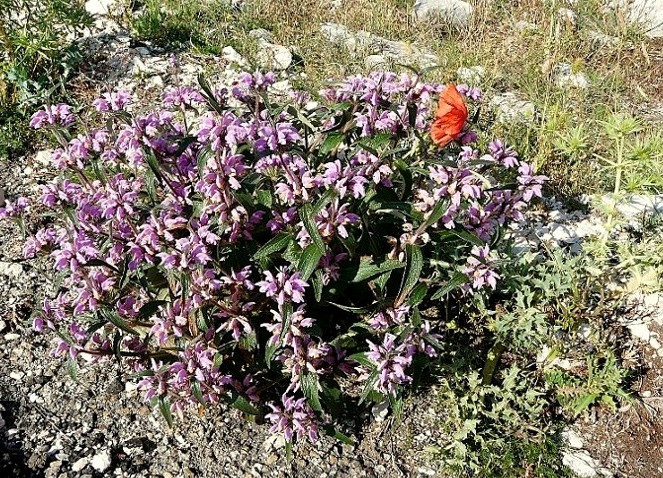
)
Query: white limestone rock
[
  {"x": 456, "y": 13},
  {"x": 509, "y": 107},
  {"x": 472, "y": 75},
  {"x": 580, "y": 463},
  {"x": 564, "y": 77},
  {"x": 648, "y": 13}
]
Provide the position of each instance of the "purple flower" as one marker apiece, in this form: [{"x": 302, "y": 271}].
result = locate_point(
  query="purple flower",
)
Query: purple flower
[
  {"x": 58, "y": 115},
  {"x": 283, "y": 286},
  {"x": 182, "y": 96},
  {"x": 389, "y": 317},
  {"x": 478, "y": 268},
  {"x": 294, "y": 418},
  {"x": 391, "y": 362},
  {"x": 113, "y": 101},
  {"x": 15, "y": 209}
]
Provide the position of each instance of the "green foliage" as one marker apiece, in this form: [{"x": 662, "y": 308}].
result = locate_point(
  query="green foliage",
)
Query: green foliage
[
  {"x": 204, "y": 26},
  {"x": 37, "y": 40},
  {"x": 600, "y": 383},
  {"x": 501, "y": 421},
  {"x": 501, "y": 430},
  {"x": 37, "y": 55},
  {"x": 15, "y": 136}
]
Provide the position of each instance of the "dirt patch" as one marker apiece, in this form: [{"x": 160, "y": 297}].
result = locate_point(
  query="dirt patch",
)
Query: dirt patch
[{"x": 630, "y": 442}]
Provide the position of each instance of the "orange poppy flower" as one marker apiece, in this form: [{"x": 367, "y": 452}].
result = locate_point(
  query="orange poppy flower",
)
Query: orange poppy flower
[{"x": 450, "y": 117}]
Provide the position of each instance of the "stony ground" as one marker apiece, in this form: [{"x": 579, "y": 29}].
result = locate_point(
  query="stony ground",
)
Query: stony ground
[{"x": 52, "y": 425}]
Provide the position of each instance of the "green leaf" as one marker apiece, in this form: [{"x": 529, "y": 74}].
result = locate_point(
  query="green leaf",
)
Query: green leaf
[
  {"x": 270, "y": 350},
  {"x": 288, "y": 451},
  {"x": 396, "y": 406},
  {"x": 318, "y": 285},
  {"x": 197, "y": 392},
  {"x": 156, "y": 278},
  {"x": 332, "y": 432},
  {"x": 376, "y": 143},
  {"x": 361, "y": 358},
  {"x": 369, "y": 388},
  {"x": 582, "y": 403},
  {"x": 117, "y": 343},
  {"x": 368, "y": 269},
  {"x": 265, "y": 198},
  {"x": 183, "y": 144},
  {"x": 309, "y": 260},
  {"x": 404, "y": 169},
  {"x": 241, "y": 403},
  {"x": 100, "y": 263},
  {"x": 331, "y": 142},
  {"x": 307, "y": 216},
  {"x": 354, "y": 310},
  {"x": 209, "y": 96},
  {"x": 414, "y": 260},
  {"x": 332, "y": 397},
  {"x": 150, "y": 308},
  {"x": 418, "y": 294},
  {"x": 463, "y": 234},
  {"x": 117, "y": 321},
  {"x": 164, "y": 408},
  {"x": 286, "y": 318},
  {"x": 309, "y": 383},
  {"x": 435, "y": 215},
  {"x": 456, "y": 281},
  {"x": 203, "y": 156},
  {"x": 277, "y": 243},
  {"x": 325, "y": 199},
  {"x": 298, "y": 114}
]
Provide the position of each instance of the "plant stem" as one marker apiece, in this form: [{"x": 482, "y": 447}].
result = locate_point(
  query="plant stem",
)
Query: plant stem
[
  {"x": 494, "y": 355},
  {"x": 7, "y": 41},
  {"x": 620, "y": 163}
]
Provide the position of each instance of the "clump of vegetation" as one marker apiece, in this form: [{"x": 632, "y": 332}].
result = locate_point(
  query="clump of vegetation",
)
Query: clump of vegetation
[{"x": 234, "y": 247}]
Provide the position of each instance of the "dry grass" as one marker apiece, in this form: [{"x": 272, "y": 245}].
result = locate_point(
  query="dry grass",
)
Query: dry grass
[{"x": 625, "y": 76}]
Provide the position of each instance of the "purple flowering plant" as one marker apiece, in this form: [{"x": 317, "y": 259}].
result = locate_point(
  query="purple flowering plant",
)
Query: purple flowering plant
[{"x": 270, "y": 252}]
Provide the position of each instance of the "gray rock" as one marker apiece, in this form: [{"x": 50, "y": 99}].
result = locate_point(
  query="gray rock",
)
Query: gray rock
[
  {"x": 572, "y": 438},
  {"x": 567, "y": 17},
  {"x": 369, "y": 44},
  {"x": 601, "y": 39},
  {"x": 233, "y": 57},
  {"x": 649, "y": 13},
  {"x": 640, "y": 331},
  {"x": 637, "y": 206},
  {"x": 380, "y": 410},
  {"x": 99, "y": 7},
  {"x": 580, "y": 463},
  {"x": 472, "y": 75},
  {"x": 261, "y": 33},
  {"x": 11, "y": 269},
  {"x": 564, "y": 76},
  {"x": 376, "y": 61},
  {"x": 101, "y": 461},
  {"x": 272, "y": 56},
  {"x": 509, "y": 108},
  {"x": 43, "y": 157},
  {"x": 523, "y": 26},
  {"x": 456, "y": 13}
]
